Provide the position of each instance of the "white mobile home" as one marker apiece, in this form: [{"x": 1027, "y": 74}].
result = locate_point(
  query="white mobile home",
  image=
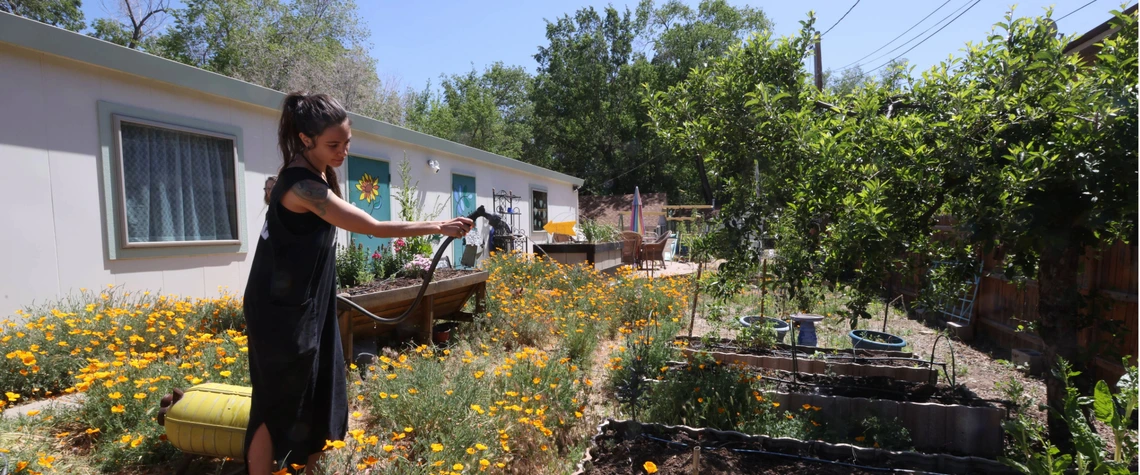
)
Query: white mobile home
[{"x": 96, "y": 143}]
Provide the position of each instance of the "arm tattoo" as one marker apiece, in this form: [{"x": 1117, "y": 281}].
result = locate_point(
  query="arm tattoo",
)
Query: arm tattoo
[{"x": 315, "y": 193}]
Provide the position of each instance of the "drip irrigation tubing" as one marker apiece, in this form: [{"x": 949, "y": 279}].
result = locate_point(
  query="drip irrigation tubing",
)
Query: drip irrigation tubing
[{"x": 790, "y": 456}]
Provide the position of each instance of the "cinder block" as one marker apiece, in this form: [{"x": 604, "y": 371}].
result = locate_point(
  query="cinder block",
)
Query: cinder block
[
  {"x": 961, "y": 332},
  {"x": 1032, "y": 359}
]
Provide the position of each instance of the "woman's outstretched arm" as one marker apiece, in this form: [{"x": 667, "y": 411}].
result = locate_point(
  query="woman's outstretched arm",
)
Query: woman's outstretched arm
[{"x": 315, "y": 197}]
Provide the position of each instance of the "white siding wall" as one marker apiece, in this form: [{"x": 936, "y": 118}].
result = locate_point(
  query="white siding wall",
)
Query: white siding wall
[{"x": 54, "y": 242}]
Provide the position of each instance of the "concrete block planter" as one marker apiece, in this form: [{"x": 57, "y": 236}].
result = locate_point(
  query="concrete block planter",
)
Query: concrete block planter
[
  {"x": 812, "y": 456},
  {"x": 602, "y": 256},
  {"x": 942, "y": 428},
  {"x": 861, "y": 362}
]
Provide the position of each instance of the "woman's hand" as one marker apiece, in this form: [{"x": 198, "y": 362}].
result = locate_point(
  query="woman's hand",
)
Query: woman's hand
[{"x": 455, "y": 228}]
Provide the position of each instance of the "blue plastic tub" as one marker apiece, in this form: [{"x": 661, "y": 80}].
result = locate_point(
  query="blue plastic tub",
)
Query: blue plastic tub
[
  {"x": 859, "y": 340},
  {"x": 781, "y": 326}
]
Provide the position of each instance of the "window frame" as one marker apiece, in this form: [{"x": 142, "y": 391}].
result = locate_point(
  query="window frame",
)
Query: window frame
[
  {"x": 534, "y": 208},
  {"x": 118, "y": 246}
]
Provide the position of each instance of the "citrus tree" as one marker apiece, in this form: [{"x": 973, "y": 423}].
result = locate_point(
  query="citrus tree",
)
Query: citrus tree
[{"x": 1030, "y": 151}]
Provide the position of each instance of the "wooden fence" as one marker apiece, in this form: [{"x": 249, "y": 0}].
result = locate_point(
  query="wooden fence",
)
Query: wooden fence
[{"x": 1003, "y": 311}]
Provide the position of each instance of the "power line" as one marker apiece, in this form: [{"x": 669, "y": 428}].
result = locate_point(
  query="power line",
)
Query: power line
[
  {"x": 841, "y": 18},
  {"x": 896, "y": 48},
  {"x": 927, "y": 38},
  {"x": 1082, "y": 7},
  {"x": 899, "y": 36}
]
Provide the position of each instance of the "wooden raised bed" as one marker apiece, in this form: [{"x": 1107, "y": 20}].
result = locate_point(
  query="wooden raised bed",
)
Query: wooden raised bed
[
  {"x": 804, "y": 364},
  {"x": 443, "y": 300},
  {"x": 718, "y": 447}
]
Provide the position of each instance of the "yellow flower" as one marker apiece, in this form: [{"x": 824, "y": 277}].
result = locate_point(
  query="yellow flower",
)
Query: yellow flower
[
  {"x": 860, "y": 439},
  {"x": 470, "y": 451},
  {"x": 126, "y": 438},
  {"x": 356, "y": 414},
  {"x": 479, "y": 374},
  {"x": 33, "y": 413},
  {"x": 140, "y": 395},
  {"x": 117, "y": 408},
  {"x": 45, "y": 462},
  {"x": 806, "y": 406},
  {"x": 389, "y": 447},
  {"x": 92, "y": 431},
  {"x": 12, "y": 396},
  {"x": 775, "y": 404},
  {"x": 457, "y": 467},
  {"x": 481, "y": 446},
  {"x": 650, "y": 467},
  {"x": 334, "y": 444},
  {"x": 436, "y": 447},
  {"x": 484, "y": 463},
  {"x": 225, "y": 374},
  {"x": 408, "y": 430}
]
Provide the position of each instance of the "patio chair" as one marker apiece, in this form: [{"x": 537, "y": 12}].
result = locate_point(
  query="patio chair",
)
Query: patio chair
[
  {"x": 654, "y": 252},
  {"x": 631, "y": 248}
]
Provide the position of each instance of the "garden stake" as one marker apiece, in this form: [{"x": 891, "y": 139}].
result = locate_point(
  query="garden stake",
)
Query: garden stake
[
  {"x": 697, "y": 460},
  {"x": 763, "y": 284},
  {"x": 696, "y": 292},
  {"x": 887, "y": 309}
]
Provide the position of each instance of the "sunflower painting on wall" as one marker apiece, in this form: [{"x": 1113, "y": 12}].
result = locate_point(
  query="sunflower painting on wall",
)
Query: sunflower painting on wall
[{"x": 369, "y": 189}]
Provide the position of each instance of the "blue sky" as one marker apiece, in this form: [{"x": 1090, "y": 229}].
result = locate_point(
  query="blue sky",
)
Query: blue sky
[{"x": 417, "y": 41}]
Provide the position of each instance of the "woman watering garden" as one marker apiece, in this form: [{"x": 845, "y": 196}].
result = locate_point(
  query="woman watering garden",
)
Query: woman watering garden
[{"x": 296, "y": 366}]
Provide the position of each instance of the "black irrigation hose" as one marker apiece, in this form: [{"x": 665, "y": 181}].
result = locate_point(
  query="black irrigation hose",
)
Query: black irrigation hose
[
  {"x": 790, "y": 456},
  {"x": 953, "y": 360},
  {"x": 343, "y": 298}
]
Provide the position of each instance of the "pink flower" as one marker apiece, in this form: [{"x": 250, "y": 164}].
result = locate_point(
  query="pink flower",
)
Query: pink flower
[
  {"x": 376, "y": 255},
  {"x": 399, "y": 244}
]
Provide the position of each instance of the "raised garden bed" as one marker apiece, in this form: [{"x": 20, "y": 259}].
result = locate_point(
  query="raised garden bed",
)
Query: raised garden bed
[
  {"x": 602, "y": 256},
  {"x": 622, "y": 447},
  {"x": 811, "y": 360},
  {"x": 443, "y": 300},
  {"x": 939, "y": 419}
]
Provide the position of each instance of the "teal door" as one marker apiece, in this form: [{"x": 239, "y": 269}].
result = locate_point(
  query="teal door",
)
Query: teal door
[
  {"x": 463, "y": 204},
  {"x": 368, "y": 189}
]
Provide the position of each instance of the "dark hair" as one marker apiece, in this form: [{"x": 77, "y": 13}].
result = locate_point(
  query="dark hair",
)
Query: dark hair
[{"x": 308, "y": 114}]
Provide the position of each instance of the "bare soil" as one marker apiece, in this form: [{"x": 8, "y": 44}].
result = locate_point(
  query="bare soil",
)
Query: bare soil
[
  {"x": 838, "y": 357},
  {"x": 881, "y": 387},
  {"x": 402, "y": 282},
  {"x": 630, "y": 456}
]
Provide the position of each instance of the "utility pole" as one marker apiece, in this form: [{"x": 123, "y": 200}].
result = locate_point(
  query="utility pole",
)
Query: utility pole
[{"x": 818, "y": 66}]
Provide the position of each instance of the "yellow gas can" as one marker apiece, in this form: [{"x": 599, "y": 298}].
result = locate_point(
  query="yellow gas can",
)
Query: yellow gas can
[{"x": 210, "y": 419}]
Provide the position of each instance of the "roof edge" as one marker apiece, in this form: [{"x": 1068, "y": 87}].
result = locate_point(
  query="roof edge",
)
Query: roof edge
[{"x": 31, "y": 34}]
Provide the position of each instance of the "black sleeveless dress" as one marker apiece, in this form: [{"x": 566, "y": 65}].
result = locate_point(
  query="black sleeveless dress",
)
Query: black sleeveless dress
[{"x": 296, "y": 363}]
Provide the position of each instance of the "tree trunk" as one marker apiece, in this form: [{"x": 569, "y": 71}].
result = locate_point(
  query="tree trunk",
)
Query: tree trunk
[
  {"x": 706, "y": 188},
  {"x": 1058, "y": 306}
]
